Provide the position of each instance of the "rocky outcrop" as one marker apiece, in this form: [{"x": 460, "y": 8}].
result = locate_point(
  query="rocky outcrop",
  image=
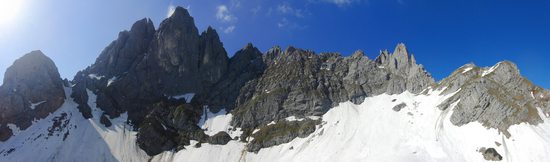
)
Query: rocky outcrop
[
  {"x": 172, "y": 124},
  {"x": 497, "y": 97},
  {"x": 220, "y": 138},
  {"x": 245, "y": 65},
  {"x": 281, "y": 132},
  {"x": 399, "y": 107},
  {"x": 490, "y": 154},
  {"x": 406, "y": 74},
  {"x": 31, "y": 90},
  {"x": 301, "y": 83}
]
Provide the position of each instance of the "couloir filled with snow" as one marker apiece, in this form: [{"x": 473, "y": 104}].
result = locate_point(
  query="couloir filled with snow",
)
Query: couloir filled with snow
[{"x": 370, "y": 131}]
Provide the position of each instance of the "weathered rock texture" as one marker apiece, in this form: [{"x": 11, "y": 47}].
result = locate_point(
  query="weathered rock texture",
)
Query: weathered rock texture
[
  {"x": 281, "y": 132},
  {"x": 301, "y": 83},
  {"x": 490, "y": 154},
  {"x": 31, "y": 90},
  {"x": 497, "y": 97}
]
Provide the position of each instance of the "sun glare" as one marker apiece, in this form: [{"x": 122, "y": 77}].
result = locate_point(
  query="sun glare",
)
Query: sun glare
[{"x": 9, "y": 10}]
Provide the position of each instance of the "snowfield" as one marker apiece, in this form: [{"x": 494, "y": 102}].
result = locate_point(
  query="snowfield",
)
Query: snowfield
[{"x": 371, "y": 131}]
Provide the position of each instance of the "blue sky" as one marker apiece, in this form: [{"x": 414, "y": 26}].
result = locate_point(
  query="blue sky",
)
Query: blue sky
[{"x": 443, "y": 35}]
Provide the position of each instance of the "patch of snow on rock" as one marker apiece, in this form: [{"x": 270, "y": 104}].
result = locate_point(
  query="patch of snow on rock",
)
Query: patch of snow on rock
[
  {"x": 467, "y": 69},
  {"x": 33, "y": 105},
  {"x": 111, "y": 81},
  {"x": 188, "y": 97},
  {"x": 293, "y": 118},
  {"x": 95, "y": 76},
  {"x": 214, "y": 123},
  {"x": 486, "y": 72},
  {"x": 14, "y": 129}
]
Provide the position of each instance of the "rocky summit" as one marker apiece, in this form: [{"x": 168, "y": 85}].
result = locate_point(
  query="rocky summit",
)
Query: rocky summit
[
  {"x": 31, "y": 90},
  {"x": 497, "y": 96},
  {"x": 172, "y": 93}
]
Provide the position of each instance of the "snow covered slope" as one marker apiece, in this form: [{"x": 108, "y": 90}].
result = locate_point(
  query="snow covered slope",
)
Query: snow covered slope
[
  {"x": 66, "y": 136},
  {"x": 373, "y": 131}
]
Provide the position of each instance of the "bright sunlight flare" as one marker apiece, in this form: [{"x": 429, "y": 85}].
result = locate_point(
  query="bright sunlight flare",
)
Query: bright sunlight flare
[{"x": 9, "y": 9}]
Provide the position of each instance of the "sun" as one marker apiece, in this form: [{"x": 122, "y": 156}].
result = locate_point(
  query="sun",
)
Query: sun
[{"x": 9, "y": 10}]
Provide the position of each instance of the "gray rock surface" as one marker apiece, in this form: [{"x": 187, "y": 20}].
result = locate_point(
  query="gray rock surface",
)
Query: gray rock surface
[
  {"x": 220, "y": 138},
  {"x": 245, "y": 65},
  {"x": 400, "y": 106},
  {"x": 281, "y": 132},
  {"x": 301, "y": 83},
  {"x": 32, "y": 89},
  {"x": 114, "y": 63},
  {"x": 497, "y": 97},
  {"x": 490, "y": 154}
]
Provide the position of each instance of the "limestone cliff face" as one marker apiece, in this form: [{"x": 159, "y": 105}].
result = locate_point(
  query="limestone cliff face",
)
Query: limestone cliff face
[{"x": 31, "y": 90}]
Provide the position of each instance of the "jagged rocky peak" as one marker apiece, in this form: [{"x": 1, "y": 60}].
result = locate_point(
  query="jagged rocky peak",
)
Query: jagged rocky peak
[
  {"x": 181, "y": 52},
  {"x": 119, "y": 56},
  {"x": 177, "y": 43},
  {"x": 32, "y": 89},
  {"x": 213, "y": 59},
  {"x": 247, "y": 53},
  {"x": 400, "y": 59},
  {"x": 180, "y": 12},
  {"x": 245, "y": 65},
  {"x": 496, "y": 96},
  {"x": 403, "y": 64},
  {"x": 271, "y": 54},
  {"x": 358, "y": 54}
]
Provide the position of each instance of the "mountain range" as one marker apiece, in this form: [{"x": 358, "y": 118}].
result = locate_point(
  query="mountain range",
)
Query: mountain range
[{"x": 173, "y": 94}]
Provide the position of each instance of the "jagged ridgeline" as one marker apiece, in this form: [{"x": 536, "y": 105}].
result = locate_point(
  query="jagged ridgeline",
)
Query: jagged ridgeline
[
  {"x": 166, "y": 79},
  {"x": 142, "y": 71}
]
